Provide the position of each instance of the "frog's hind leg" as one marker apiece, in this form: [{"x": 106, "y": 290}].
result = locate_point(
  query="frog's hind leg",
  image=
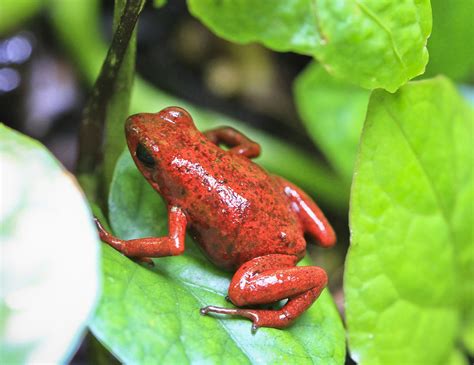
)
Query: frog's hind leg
[
  {"x": 238, "y": 143},
  {"x": 268, "y": 279},
  {"x": 311, "y": 217}
]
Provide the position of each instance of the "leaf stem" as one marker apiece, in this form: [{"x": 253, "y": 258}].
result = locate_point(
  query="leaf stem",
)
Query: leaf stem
[{"x": 91, "y": 133}]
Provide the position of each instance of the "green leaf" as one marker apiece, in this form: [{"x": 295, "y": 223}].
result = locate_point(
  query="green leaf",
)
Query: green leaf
[
  {"x": 468, "y": 332},
  {"x": 408, "y": 279},
  {"x": 450, "y": 44},
  {"x": 282, "y": 25},
  {"x": 333, "y": 113},
  {"x": 153, "y": 316},
  {"x": 372, "y": 43},
  {"x": 457, "y": 358},
  {"x": 45, "y": 299}
]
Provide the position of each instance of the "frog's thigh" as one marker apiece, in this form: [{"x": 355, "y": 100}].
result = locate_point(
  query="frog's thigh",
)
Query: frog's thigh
[
  {"x": 312, "y": 218},
  {"x": 270, "y": 278}
]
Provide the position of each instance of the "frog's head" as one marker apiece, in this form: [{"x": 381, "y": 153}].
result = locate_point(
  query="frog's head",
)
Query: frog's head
[{"x": 154, "y": 138}]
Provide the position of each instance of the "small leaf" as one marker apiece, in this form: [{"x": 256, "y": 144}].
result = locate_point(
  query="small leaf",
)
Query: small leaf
[
  {"x": 333, "y": 113},
  {"x": 453, "y": 32},
  {"x": 408, "y": 279},
  {"x": 371, "y": 43},
  {"x": 49, "y": 248},
  {"x": 153, "y": 316}
]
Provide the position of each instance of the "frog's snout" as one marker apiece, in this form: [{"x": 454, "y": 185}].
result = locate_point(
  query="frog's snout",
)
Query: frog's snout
[{"x": 135, "y": 121}]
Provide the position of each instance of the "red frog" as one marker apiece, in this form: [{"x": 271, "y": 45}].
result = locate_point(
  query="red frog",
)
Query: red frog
[{"x": 245, "y": 219}]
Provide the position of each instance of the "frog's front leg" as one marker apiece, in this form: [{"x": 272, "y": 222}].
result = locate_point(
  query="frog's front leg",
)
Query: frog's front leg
[
  {"x": 172, "y": 245},
  {"x": 240, "y": 144},
  {"x": 268, "y": 279}
]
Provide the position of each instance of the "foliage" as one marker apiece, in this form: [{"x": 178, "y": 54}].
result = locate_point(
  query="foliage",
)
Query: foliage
[
  {"x": 409, "y": 297},
  {"x": 409, "y": 269},
  {"x": 450, "y": 44},
  {"x": 37, "y": 238},
  {"x": 372, "y": 43}
]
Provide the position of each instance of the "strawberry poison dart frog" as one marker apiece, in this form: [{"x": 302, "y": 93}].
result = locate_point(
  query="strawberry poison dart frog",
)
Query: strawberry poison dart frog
[{"x": 245, "y": 220}]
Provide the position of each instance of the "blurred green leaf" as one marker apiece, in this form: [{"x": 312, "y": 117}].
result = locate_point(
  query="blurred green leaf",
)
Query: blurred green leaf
[
  {"x": 371, "y": 43},
  {"x": 451, "y": 43},
  {"x": 15, "y": 12},
  {"x": 457, "y": 358},
  {"x": 468, "y": 331},
  {"x": 77, "y": 26},
  {"x": 409, "y": 270},
  {"x": 333, "y": 113},
  {"x": 45, "y": 300},
  {"x": 153, "y": 316}
]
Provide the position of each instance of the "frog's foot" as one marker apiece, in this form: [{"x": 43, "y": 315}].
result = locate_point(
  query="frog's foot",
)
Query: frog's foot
[
  {"x": 268, "y": 279},
  {"x": 271, "y": 318},
  {"x": 247, "y": 313}
]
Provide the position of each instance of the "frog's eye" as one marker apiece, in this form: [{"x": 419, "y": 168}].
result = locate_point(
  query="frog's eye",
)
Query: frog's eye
[{"x": 144, "y": 156}]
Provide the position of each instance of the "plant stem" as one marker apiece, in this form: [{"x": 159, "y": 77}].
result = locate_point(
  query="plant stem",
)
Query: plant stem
[{"x": 91, "y": 135}]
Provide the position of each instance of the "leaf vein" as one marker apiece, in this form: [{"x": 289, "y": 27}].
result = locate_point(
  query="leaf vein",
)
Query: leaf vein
[{"x": 379, "y": 22}]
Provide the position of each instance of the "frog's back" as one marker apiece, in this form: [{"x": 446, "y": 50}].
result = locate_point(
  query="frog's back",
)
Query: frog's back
[{"x": 237, "y": 211}]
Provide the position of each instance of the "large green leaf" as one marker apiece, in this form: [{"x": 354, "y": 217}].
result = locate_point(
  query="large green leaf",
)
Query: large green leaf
[
  {"x": 373, "y": 43},
  {"x": 333, "y": 113},
  {"x": 49, "y": 255},
  {"x": 450, "y": 44},
  {"x": 153, "y": 316},
  {"x": 408, "y": 279}
]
